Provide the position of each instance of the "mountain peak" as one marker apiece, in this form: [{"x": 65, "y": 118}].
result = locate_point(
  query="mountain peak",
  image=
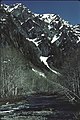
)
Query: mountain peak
[{"x": 48, "y": 35}]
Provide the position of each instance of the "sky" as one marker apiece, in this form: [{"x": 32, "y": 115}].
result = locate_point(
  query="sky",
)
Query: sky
[{"x": 68, "y": 10}]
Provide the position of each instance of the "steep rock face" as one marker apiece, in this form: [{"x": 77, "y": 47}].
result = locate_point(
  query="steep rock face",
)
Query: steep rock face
[{"x": 45, "y": 41}]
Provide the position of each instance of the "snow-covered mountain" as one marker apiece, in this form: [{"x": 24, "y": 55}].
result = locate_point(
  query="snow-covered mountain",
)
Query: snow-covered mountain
[
  {"x": 46, "y": 40},
  {"x": 49, "y": 36}
]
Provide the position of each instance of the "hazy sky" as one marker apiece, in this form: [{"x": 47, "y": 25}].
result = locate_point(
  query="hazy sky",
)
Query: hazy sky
[{"x": 69, "y": 10}]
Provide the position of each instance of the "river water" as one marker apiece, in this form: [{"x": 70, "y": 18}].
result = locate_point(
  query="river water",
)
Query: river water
[{"x": 39, "y": 108}]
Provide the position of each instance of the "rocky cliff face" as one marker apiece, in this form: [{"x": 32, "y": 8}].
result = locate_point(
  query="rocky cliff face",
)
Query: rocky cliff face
[{"x": 43, "y": 46}]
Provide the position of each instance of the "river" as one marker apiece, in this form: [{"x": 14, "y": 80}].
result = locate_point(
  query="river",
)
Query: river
[{"x": 40, "y": 107}]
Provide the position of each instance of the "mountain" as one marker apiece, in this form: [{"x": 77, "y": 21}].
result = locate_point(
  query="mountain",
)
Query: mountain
[{"x": 48, "y": 45}]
